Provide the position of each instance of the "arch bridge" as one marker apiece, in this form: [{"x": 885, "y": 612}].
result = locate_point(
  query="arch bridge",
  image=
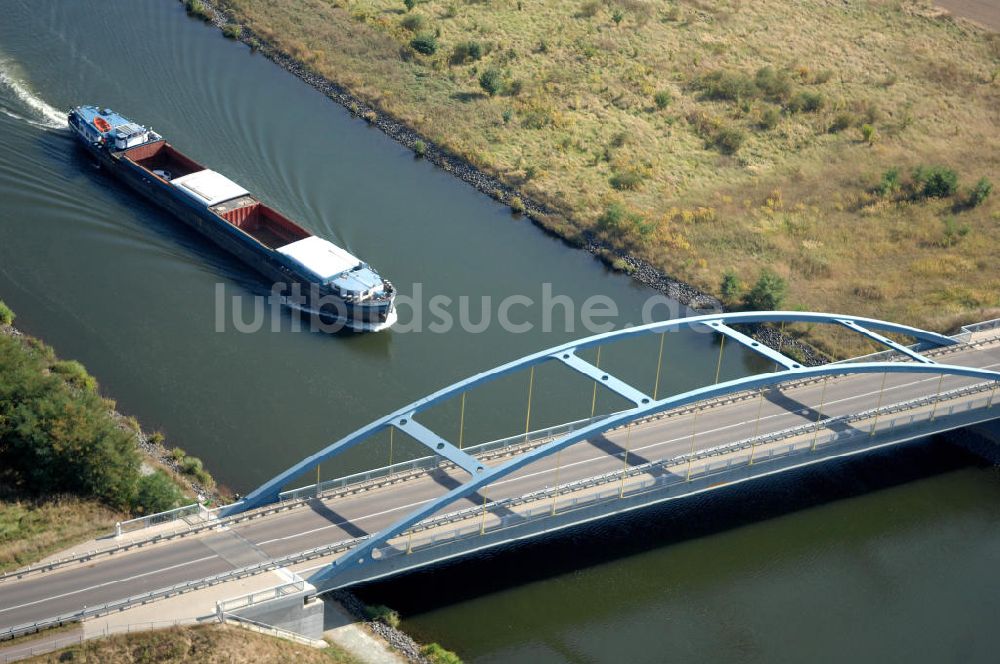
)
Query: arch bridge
[{"x": 933, "y": 355}]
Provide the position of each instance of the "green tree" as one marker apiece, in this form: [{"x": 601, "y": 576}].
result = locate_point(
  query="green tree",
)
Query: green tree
[
  {"x": 767, "y": 293},
  {"x": 57, "y": 438},
  {"x": 730, "y": 286}
]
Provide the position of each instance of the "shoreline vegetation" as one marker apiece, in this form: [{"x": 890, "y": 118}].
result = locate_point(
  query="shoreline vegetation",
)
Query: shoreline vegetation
[
  {"x": 71, "y": 465},
  {"x": 692, "y": 144}
]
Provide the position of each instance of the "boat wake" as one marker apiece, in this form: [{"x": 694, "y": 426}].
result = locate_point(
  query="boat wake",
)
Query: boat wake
[{"x": 41, "y": 113}]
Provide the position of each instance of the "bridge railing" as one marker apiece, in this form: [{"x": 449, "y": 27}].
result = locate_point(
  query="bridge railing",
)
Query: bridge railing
[
  {"x": 679, "y": 470},
  {"x": 160, "y": 518},
  {"x": 434, "y": 461},
  {"x": 666, "y": 478},
  {"x": 225, "y": 606},
  {"x": 968, "y": 331}
]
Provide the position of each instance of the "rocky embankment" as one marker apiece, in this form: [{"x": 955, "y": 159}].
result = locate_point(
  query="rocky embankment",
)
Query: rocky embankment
[
  {"x": 463, "y": 169},
  {"x": 396, "y": 638},
  {"x": 639, "y": 269}
]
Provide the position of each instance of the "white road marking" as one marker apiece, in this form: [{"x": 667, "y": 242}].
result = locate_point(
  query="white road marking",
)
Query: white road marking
[
  {"x": 599, "y": 458},
  {"x": 109, "y": 583}
]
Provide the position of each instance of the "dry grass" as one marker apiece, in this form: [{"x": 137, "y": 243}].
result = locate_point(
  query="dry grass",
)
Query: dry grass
[
  {"x": 31, "y": 531},
  {"x": 579, "y": 125},
  {"x": 205, "y": 644}
]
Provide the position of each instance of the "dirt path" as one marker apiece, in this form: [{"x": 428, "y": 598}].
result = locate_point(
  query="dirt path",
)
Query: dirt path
[{"x": 986, "y": 12}]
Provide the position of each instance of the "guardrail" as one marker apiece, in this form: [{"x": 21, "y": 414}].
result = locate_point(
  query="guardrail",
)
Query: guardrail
[
  {"x": 178, "y": 589},
  {"x": 159, "y": 518},
  {"x": 404, "y": 471},
  {"x": 436, "y": 461},
  {"x": 339, "y": 547},
  {"x": 408, "y": 544},
  {"x": 969, "y": 330},
  {"x": 250, "y": 599}
]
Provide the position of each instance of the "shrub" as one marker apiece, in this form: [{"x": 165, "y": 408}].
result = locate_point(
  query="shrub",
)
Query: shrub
[
  {"x": 232, "y": 30},
  {"x": 953, "y": 232},
  {"x": 382, "y": 614},
  {"x": 772, "y": 84},
  {"x": 157, "y": 493},
  {"x": 770, "y": 118},
  {"x": 729, "y": 139},
  {"x": 6, "y": 314},
  {"x": 468, "y": 51},
  {"x": 75, "y": 374},
  {"x": 767, "y": 293},
  {"x": 414, "y": 22},
  {"x": 409, "y": 4},
  {"x": 438, "y": 655},
  {"x": 517, "y": 205},
  {"x": 618, "y": 222},
  {"x": 589, "y": 9},
  {"x": 629, "y": 180},
  {"x": 662, "y": 99},
  {"x": 869, "y": 134},
  {"x": 727, "y": 86},
  {"x": 177, "y": 454},
  {"x": 191, "y": 465},
  {"x": 491, "y": 81},
  {"x": 977, "y": 196},
  {"x": 197, "y": 8},
  {"x": 889, "y": 184},
  {"x": 937, "y": 181},
  {"x": 617, "y": 16},
  {"x": 730, "y": 287},
  {"x": 425, "y": 43},
  {"x": 806, "y": 101},
  {"x": 842, "y": 121},
  {"x": 419, "y": 148}
]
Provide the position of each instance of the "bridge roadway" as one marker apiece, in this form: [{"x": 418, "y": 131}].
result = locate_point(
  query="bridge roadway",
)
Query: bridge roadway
[{"x": 319, "y": 522}]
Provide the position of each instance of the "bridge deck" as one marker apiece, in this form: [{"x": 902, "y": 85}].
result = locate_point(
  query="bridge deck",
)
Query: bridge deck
[{"x": 326, "y": 521}]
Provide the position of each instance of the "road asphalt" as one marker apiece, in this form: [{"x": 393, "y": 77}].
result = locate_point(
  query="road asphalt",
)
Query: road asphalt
[{"x": 326, "y": 521}]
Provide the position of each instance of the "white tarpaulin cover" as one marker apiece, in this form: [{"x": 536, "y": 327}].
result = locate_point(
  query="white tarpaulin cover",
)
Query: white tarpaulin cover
[
  {"x": 209, "y": 187},
  {"x": 319, "y": 256}
]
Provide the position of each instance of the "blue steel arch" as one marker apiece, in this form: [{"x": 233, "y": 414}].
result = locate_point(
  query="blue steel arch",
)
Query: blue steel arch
[
  {"x": 403, "y": 418},
  {"x": 644, "y": 406},
  {"x": 362, "y": 552}
]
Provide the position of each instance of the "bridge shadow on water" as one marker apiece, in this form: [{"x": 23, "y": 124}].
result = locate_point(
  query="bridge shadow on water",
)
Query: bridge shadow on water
[{"x": 663, "y": 525}]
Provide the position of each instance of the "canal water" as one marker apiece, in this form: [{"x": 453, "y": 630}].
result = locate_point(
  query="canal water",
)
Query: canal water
[{"x": 114, "y": 282}]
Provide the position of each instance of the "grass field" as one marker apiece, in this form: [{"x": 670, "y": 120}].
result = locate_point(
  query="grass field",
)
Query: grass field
[
  {"x": 724, "y": 135},
  {"x": 206, "y": 644},
  {"x": 30, "y": 531}
]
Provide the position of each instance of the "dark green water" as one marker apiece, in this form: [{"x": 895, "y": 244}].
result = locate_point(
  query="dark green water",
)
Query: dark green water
[{"x": 121, "y": 286}]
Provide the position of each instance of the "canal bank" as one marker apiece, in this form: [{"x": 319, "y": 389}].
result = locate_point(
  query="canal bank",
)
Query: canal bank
[
  {"x": 116, "y": 284},
  {"x": 519, "y": 202}
]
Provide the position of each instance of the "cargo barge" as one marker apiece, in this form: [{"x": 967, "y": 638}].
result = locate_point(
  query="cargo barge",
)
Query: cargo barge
[{"x": 313, "y": 274}]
